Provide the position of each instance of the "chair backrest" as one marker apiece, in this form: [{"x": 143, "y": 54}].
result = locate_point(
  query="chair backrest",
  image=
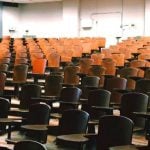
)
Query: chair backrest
[
  {"x": 70, "y": 75},
  {"x": 99, "y": 97},
  {"x": 134, "y": 102},
  {"x": 4, "y": 107},
  {"x": 147, "y": 74},
  {"x": 29, "y": 145},
  {"x": 39, "y": 66},
  {"x": 114, "y": 131},
  {"x": 143, "y": 85},
  {"x": 2, "y": 82},
  {"x": 21, "y": 61},
  {"x": 53, "y": 85},
  {"x": 27, "y": 92},
  {"x": 127, "y": 72},
  {"x": 92, "y": 81},
  {"x": 115, "y": 82},
  {"x": 70, "y": 94},
  {"x": 73, "y": 122},
  {"x": 85, "y": 64},
  {"x": 138, "y": 63},
  {"x": 39, "y": 113},
  {"x": 20, "y": 73},
  {"x": 98, "y": 71},
  {"x": 54, "y": 60},
  {"x": 4, "y": 67},
  {"x": 109, "y": 64}
]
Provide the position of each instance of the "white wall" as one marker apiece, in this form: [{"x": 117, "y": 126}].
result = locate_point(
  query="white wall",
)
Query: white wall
[
  {"x": 133, "y": 13},
  {"x": 66, "y": 18},
  {"x": 41, "y": 19},
  {"x": 107, "y": 17},
  {"x": 10, "y": 20},
  {"x": 71, "y": 18},
  {"x": 147, "y": 17}
]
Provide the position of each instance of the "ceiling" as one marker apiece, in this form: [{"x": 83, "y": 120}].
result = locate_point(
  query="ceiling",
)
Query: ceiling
[{"x": 28, "y": 1}]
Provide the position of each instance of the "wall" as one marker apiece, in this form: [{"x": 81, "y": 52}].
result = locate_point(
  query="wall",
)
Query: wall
[
  {"x": 147, "y": 17},
  {"x": 71, "y": 18},
  {"x": 40, "y": 19},
  {"x": 80, "y": 18},
  {"x": 133, "y": 13},
  {"x": 0, "y": 19},
  {"x": 11, "y": 17},
  {"x": 113, "y": 18}
]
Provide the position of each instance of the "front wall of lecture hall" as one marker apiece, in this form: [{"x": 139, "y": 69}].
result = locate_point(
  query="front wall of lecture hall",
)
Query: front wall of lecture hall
[{"x": 77, "y": 18}]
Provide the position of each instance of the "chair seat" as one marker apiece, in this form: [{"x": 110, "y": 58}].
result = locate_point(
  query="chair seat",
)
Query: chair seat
[
  {"x": 93, "y": 122},
  {"x": 76, "y": 138},
  {"x": 124, "y": 147},
  {"x": 56, "y": 115}
]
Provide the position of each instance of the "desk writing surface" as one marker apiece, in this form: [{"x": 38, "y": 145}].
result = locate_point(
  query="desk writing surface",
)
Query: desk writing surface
[{"x": 125, "y": 147}]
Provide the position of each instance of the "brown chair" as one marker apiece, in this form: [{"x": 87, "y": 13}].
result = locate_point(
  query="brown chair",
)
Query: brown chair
[
  {"x": 134, "y": 102},
  {"x": 27, "y": 92},
  {"x": 147, "y": 74},
  {"x": 99, "y": 71},
  {"x": 4, "y": 111},
  {"x": 68, "y": 99},
  {"x": 128, "y": 72},
  {"x": 53, "y": 85},
  {"x": 35, "y": 126},
  {"x": 85, "y": 64},
  {"x": 20, "y": 73},
  {"x": 2, "y": 83},
  {"x": 137, "y": 64},
  {"x": 4, "y": 67},
  {"x": 21, "y": 61},
  {"x": 53, "y": 61},
  {"x": 19, "y": 76},
  {"x": 39, "y": 66},
  {"x": 88, "y": 83},
  {"x": 114, "y": 131},
  {"x": 109, "y": 65},
  {"x": 70, "y": 75},
  {"x": 28, "y": 145},
  {"x": 96, "y": 103},
  {"x": 143, "y": 86},
  {"x": 113, "y": 85},
  {"x": 72, "y": 126}
]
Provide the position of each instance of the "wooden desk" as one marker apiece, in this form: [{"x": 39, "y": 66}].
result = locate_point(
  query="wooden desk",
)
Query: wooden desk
[
  {"x": 147, "y": 116},
  {"x": 78, "y": 139},
  {"x": 9, "y": 122},
  {"x": 36, "y": 132},
  {"x": 125, "y": 147}
]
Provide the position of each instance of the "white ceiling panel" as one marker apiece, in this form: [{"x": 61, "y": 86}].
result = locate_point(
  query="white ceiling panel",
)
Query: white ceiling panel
[{"x": 28, "y": 1}]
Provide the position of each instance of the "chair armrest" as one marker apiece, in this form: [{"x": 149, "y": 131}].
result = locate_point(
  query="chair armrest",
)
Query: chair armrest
[
  {"x": 108, "y": 110},
  {"x": 83, "y": 100},
  {"x": 15, "y": 105},
  {"x": 50, "y": 97},
  {"x": 67, "y": 85},
  {"x": 70, "y": 103},
  {"x": 135, "y": 78},
  {"x": 123, "y": 91},
  {"x": 91, "y": 136}
]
